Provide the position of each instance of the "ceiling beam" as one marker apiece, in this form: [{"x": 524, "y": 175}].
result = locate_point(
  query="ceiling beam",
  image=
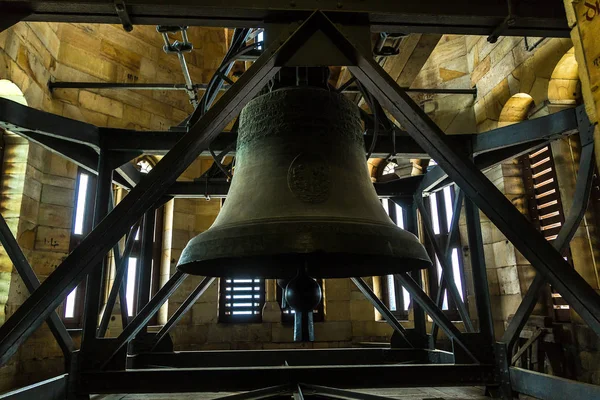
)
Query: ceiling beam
[{"x": 533, "y": 18}]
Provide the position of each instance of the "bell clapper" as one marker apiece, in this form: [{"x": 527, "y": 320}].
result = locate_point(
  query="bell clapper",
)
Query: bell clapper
[{"x": 303, "y": 294}]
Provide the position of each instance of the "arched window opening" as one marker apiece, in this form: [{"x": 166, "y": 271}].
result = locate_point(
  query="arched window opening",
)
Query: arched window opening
[
  {"x": 564, "y": 87},
  {"x": 10, "y": 91},
  {"x": 516, "y": 109}
]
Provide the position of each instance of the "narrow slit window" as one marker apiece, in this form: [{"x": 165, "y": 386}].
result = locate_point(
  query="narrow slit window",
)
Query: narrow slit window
[
  {"x": 395, "y": 296},
  {"x": 81, "y": 203},
  {"x": 131, "y": 283}
]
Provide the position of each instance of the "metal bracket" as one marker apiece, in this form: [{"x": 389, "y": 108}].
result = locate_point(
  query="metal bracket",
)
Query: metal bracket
[
  {"x": 121, "y": 9},
  {"x": 508, "y": 23},
  {"x": 586, "y": 128}
]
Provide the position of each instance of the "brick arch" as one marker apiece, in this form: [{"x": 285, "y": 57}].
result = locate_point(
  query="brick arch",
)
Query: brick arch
[
  {"x": 9, "y": 90},
  {"x": 516, "y": 109},
  {"x": 565, "y": 86}
]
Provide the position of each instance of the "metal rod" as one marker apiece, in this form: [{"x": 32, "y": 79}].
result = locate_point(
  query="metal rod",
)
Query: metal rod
[
  {"x": 434, "y": 311},
  {"x": 480, "y": 281},
  {"x": 92, "y": 249},
  {"x": 125, "y": 86},
  {"x": 382, "y": 308},
  {"x": 183, "y": 308},
  {"x": 145, "y": 314},
  {"x": 189, "y": 85},
  {"x": 121, "y": 264},
  {"x": 12, "y": 248},
  {"x": 203, "y": 86}
]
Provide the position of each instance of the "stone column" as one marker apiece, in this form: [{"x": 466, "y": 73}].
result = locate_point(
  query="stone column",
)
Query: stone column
[{"x": 271, "y": 310}]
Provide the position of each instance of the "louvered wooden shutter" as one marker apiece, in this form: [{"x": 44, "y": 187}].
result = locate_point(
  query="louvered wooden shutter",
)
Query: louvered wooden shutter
[{"x": 545, "y": 207}]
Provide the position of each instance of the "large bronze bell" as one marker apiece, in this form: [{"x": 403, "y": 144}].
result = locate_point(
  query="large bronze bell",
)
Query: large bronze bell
[{"x": 301, "y": 197}]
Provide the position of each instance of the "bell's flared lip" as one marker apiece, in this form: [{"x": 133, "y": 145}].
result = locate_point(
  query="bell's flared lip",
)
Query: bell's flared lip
[{"x": 318, "y": 265}]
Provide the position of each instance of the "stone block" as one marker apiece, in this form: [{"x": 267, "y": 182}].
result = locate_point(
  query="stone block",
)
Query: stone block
[
  {"x": 87, "y": 62},
  {"x": 480, "y": 70},
  {"x": 185, "y": 205},
  {"x": 180, "y": 239},
  {"x": 190, "y": 335},
  {"x": 56, "y": 216},
  {"x": 205, "y": 313},
  {"x": 83, "y": 115},
  {"x": 496, "y": 75},
  {"x": 27, "y": 232},
  {"x": 371, "y": 329},
  {"x": 61, "y": 167},
  {"x": 505, "y": 46},
  {"x": 497, "y": 235},
  {"x": 508, "y": 279},
  {"x": 526, "y": 275},
  {"x": 100, "y": 104},
  {"x": 160, "y": 123},
  {"x": 488, "y": 252},
  {"x": 58, "y": 181},
  {"x": 509, "y": 305},
  {"x": 157, "y": 108},
  {"x": 184, "y": 221},
  {"x": 336, "y": 289},
  {"x": 219, "y": 333},
  {"x": 333, "y": 331},
  {"x": 504, "y": 254},
  {"x": 121, "y": 55},
  {"x": 59, "y": 196},
  {"x": 492, "y": 277},
  {"x": 29, "y": 209},
  {"x": 337, "y": 310},
  {"x": 253, "y": 333},
  {"x": 52, "y": 239},
  {"x": 361, "y": 310},
  {"x": 284, "y": 333}
]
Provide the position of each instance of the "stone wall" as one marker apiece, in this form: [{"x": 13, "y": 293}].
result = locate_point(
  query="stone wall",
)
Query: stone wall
[{"x": 37, "y": 185}]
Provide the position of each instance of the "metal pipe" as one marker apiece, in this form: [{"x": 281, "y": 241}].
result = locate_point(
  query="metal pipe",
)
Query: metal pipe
[
  {"x": 188, "y": 80},
  {"x": 225, "y": 87}
]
